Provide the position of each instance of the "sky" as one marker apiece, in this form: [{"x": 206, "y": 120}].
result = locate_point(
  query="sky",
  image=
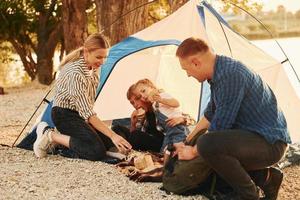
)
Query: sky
[{"x": 290, "y": 5}]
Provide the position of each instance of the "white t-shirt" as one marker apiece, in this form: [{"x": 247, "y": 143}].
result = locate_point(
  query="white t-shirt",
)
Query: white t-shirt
[{"x": 167, "y": 110}]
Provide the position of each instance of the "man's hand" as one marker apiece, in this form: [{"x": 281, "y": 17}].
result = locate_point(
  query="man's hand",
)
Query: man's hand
[{"x": 185, "y": 152}]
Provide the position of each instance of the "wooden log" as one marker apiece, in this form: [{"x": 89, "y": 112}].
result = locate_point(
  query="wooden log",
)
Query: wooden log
[{"x": 1, "y": 90}]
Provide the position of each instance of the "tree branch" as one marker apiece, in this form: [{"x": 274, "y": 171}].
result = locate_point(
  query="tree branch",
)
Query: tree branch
[
  {"x": 29, "y": 64},
  {"x": 32, "y": 45}
]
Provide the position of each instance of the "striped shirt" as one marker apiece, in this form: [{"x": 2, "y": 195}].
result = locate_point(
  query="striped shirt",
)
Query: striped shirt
[
  {"x": 76, "y": 88},
  {"x": 241, "y": 100}
]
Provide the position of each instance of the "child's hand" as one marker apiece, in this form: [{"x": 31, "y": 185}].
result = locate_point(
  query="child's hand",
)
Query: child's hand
[
  {"x": 153, "y": 96},
  {"x": 156, "y": 97},
  {"x": 173, "y": 121}
]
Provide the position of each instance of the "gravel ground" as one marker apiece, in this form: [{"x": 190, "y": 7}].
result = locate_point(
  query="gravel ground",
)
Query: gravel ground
[
  {"x": 26, "y": 177},
  {"x": 23, "y": 176}
]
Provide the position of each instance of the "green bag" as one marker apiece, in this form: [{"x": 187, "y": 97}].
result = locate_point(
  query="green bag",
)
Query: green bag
[{"x": 185, "y": 175}]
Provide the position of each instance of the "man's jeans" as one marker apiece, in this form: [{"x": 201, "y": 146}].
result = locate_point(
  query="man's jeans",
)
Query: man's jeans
[{"x": 231, "y": 153}]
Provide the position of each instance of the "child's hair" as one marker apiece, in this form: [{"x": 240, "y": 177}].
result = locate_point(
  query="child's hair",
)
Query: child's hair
[
  {"x": 146, "y": 82},
  {"x": 149, "y": 83},
  {"x": 131, "y": 91}
]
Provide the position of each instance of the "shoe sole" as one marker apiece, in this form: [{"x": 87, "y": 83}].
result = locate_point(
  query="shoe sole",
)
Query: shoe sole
[{"x": 39, "y": 134}]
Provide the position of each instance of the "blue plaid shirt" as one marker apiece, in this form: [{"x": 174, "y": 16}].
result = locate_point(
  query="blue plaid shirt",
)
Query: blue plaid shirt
[{"x": 241, "y": 100}]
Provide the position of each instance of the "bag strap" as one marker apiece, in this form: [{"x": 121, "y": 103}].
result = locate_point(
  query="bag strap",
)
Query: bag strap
[
  {"x": 213, "y": 185},
  {"x": 193, "y": 141}
]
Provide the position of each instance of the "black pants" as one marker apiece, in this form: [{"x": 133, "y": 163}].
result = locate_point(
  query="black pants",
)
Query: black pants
[
  {"x": 231, "y": 153},
  {"x": 140, "y": 140},
  {"x": 85, "y": 141}
]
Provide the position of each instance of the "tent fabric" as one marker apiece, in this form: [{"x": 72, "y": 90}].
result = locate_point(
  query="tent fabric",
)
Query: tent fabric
[
  {"x": 150, "y": 53},
  {"x": 125, "y": 48}
]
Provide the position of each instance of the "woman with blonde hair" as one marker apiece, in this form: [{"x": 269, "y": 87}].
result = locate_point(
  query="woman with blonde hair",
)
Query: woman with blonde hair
[{"x": 79, "y": 128}]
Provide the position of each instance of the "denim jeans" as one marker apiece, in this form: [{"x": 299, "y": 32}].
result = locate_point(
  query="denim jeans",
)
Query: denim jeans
[
  {"x": 85, "y": 141},
  {"x": 231, "y": 153},
  {"x": 172, "y": 134}
]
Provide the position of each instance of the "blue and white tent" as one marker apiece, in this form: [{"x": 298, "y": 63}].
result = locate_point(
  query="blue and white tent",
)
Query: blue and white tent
[{"x": 150, "y": 53}]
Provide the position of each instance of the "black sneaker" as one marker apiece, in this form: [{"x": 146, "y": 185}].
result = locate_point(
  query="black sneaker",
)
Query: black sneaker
[{"x": 272, "y": 186}]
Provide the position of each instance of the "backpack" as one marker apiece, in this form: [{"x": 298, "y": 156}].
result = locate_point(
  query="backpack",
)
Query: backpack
[{"x": 182, "y": 176}]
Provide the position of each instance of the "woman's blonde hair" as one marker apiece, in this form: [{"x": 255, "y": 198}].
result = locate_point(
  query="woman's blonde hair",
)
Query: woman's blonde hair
[{"x": 92, "y": 42}]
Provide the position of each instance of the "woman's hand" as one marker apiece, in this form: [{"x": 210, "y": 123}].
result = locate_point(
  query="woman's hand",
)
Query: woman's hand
[
  {"x": 173, "y": 121},
  {"x": 122, "y": 144}
]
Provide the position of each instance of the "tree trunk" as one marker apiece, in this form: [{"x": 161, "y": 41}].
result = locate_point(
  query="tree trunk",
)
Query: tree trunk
[
  {"x": 110, "y": 11},
  {"x": 48, "y": 37},
  {"x": 24, "y": 53},
  {"x": 74, "y": 23},
  {"x": 1, "y": 90},
  {"x": 45, "y": 54},
  {"x": 45, "y": 63}
]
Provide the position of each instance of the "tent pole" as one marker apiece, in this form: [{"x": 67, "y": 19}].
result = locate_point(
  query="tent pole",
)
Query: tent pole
[
  {"x": 200, "y": 102},
  {"x": 43, "y": 100},
  {"x": 262, "y": 24},
  {"x": 47, "y": 101},
  {"x": 115, "y": 21},
  {"x": 226, "y": 38}
]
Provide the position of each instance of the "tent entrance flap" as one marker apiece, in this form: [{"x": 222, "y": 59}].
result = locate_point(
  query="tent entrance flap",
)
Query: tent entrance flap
[{"x": 158, "y": 64}]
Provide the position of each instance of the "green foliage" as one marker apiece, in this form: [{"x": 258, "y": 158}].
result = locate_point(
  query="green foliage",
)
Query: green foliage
[
  {"x": 252, "y": 27},
  {"x": 249, "y": 5},
  {"x": 20, "y": 19},
  {"x": 11, "y": 72},
  {"x": 92, "y": 18},
  {"x": 14, "y": 20},
  {"x": 236, "y": 28},
  {"x": 6, "y": 52},
  {"x": 27, "y": 25},
  {"x": 158, "y": 10}
]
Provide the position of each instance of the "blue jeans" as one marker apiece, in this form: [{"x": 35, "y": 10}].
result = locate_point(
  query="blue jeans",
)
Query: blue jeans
[
  {"x": 172, "y": 134},
  {"x": 85, "y": 141}
]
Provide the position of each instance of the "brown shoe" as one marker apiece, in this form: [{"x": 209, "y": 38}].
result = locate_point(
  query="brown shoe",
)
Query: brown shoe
[{"x": 272, "y": 186}]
